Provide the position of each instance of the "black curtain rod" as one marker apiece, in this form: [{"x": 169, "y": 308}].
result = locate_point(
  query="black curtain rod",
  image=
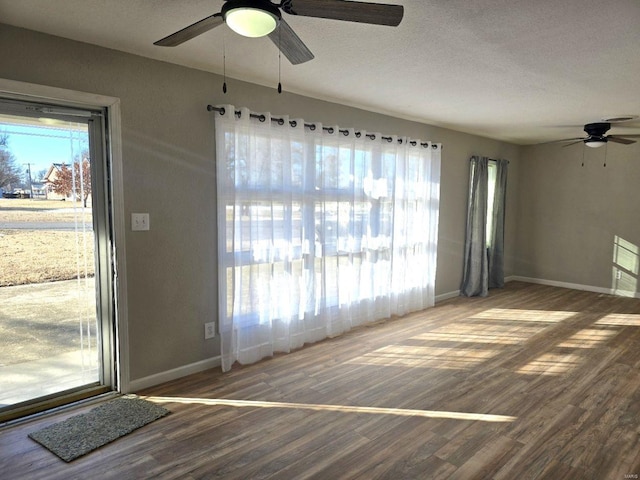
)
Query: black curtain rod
[{"x": 311, "y": 126}]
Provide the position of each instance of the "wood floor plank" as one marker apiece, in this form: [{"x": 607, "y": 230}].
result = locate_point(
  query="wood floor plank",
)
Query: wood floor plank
[
  {"x": 488, "y": 457},
  {"x": 531, "y": 382}
]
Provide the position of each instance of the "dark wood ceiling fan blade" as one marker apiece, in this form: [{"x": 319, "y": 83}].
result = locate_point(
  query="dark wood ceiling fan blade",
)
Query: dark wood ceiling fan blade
[
  {"x": 622, "y": 140},
  {"x": 573, "y": 143},
  {"x": 191, "y": 31},
  {"x": 290, "y": 44},
  {"x": 362, "y": 12},
  {"x": 574, "y": 140}
]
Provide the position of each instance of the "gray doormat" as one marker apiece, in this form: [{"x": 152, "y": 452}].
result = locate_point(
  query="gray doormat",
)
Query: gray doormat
[{"x": 79, "y": 435}]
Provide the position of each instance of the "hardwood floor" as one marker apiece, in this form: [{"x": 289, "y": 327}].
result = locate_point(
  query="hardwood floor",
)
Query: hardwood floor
[{"x": 531, "y": 382}]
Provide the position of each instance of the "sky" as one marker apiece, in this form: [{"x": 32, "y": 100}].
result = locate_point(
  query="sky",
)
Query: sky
[{"x": 41, "y": 146}]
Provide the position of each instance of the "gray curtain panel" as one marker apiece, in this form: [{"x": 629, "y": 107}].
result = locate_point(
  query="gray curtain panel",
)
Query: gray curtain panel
[
  {"x": 496, "y": 251},
  {"x": 475, "y": 277},
  {"x": 484, "y": 265}
]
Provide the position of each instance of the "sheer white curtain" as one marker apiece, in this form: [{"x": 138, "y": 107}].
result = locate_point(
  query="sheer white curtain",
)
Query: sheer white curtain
[{"x": 319, "y": 231}]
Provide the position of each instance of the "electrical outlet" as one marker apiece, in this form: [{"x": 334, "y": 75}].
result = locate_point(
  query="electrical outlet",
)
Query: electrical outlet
[
  {"x": 209, "y": 330},
  {"x": 618, "y": 274}
]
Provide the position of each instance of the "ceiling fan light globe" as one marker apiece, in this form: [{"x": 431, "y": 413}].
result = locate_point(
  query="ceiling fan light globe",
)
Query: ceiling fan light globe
[
  {"x": 251, "y": 22},
  {"x": 595, "y": 143}
]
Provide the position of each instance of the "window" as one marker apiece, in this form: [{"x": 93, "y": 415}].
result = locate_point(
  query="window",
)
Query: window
[
  {"x": 318, "y": 232},
  {"x": 492, "y": 169}
]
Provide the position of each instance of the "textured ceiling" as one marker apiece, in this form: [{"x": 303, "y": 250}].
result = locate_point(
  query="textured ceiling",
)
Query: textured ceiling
[{"x": 522, "y": 71}]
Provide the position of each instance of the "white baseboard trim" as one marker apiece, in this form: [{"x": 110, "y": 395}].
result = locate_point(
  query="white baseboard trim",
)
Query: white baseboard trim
[
  {"x": 446, "y": 296},
  {"x": 158, "y": 378},
  {"x": 574, "y": 286}
]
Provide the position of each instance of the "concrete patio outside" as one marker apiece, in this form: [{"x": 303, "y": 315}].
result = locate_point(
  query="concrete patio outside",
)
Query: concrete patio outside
[{"x": 47, "y": 339}]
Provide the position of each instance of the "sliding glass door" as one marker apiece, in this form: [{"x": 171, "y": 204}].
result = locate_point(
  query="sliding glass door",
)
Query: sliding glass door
[{"x": 56, "y": 274}]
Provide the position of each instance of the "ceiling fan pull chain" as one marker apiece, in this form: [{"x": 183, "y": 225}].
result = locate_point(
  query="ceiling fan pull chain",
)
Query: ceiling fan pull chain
[
  {"x": 279, "y": 60},
  {"x": 606, "y": 145},
  {"x": 224, "y": 65},
  {"x": 583, "y": 149}
]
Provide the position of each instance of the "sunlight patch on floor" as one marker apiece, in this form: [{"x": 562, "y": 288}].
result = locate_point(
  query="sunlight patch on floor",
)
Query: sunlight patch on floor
[
  {"x": 481, "y": 332},
  {"x": 551, "y": 364},
  {"x": 425, "y": 357},
  {"x": 588, "y": 338},
  {"x": 403, "y": 412},
  {"x": 620, "y": 320},
  {"x": 518, "y": 315}
]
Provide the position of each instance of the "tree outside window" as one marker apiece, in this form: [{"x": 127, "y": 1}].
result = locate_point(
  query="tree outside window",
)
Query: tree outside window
[
  {"x": 9, "y": 171},
  {"x": 74, "y": 182}
]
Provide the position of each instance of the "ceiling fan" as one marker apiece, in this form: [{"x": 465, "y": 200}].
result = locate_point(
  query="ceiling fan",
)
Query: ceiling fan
[
  {"x": 257, "y": 18},
  {"x": 596, "y": 136}
]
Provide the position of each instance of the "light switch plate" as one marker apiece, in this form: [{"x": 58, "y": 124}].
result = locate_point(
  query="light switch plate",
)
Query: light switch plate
[{"x": 139, "y": 221}]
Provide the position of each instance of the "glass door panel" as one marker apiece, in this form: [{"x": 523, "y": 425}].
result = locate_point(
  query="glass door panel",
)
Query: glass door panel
[{"x": 51, "y": 291}]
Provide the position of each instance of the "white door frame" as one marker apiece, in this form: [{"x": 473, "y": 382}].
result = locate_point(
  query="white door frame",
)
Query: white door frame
[{"x": 42, "y": 93}]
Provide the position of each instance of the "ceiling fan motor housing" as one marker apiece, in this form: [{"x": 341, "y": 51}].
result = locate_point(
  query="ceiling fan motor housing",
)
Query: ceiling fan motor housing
[
  {"x": 597, "y": 129},
  {"x": 264, "y": 5}
]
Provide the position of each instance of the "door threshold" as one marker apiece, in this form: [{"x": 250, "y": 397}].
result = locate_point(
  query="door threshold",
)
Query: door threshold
[{"x": 53, "y": 405}]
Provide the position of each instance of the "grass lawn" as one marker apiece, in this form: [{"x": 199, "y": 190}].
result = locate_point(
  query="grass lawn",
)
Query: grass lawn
[{"x": 27, "y": 210}]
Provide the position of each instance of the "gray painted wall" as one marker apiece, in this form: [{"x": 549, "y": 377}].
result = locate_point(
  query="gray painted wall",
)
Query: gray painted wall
[
  {"x": 168, "y": 163},
  {"x": 569, "y": 215}
]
